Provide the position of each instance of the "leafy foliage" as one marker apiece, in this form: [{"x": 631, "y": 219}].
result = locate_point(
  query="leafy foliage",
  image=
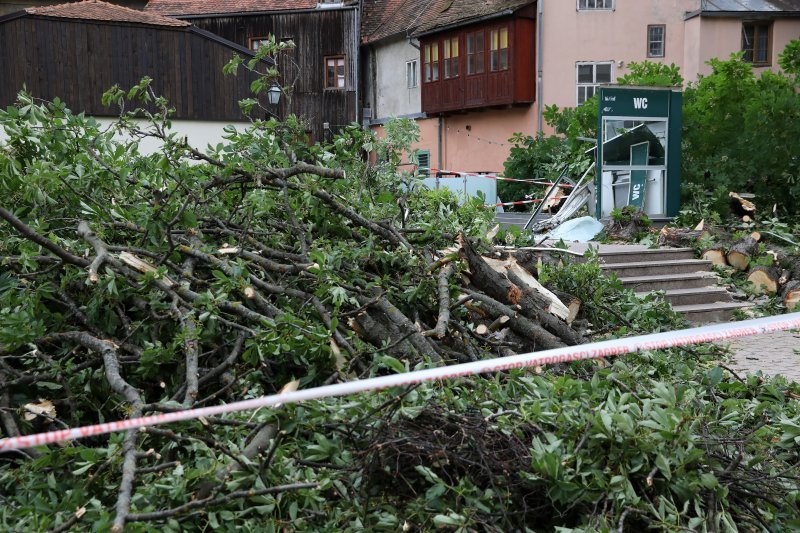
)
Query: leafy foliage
[
  {"x": 740, "y": 134},
  {"x": 664, "y": 439}
]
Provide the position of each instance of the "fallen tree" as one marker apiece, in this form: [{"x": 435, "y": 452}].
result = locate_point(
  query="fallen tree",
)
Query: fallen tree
[{"x": 139, "y": 284}]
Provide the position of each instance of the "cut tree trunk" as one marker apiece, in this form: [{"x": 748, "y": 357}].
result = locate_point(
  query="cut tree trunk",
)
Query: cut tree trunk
[
  {"x": 764, "y": 279},
  {"x": 573, "y": 303},
  {"x": 741, "y": 207},
  {"x": 741, "y": 253},
  {"x": 791, "y": 295},
  {"x": 716, "y": 255},
  {"x": 679, "y": 237}
]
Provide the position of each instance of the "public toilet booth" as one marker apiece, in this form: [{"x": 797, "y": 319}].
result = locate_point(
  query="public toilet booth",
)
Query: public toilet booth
[{"x": 639, "y": 150}]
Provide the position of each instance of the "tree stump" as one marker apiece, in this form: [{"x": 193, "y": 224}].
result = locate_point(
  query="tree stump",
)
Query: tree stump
[
  {"x": 742, "y": 252},
  {"x": 716, "y": 255}
]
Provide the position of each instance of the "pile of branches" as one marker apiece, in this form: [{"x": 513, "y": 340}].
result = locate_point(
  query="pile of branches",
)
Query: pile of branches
[{"x": 139, "y": 284}]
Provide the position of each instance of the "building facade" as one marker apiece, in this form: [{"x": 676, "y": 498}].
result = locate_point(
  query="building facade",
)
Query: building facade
[
  {"x": 569, "y": 49},
  {"x": 319, "y": 74}
]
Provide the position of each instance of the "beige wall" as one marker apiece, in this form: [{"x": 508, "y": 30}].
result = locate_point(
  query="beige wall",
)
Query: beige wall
[
  {"x": 572, "y": 36},
  {"x": 719, "y": 37}
]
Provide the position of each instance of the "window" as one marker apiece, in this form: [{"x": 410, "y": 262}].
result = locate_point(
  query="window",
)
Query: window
[
  {"x": 475, "y": 53},
  {"x": 431, "y": 62},
  {"x": 451, "y": 58},
  {"x": 424, "y": 162},
  {"x": 411, "y": 74},
  {"x": 590, "y": 76},
  {"x": 334, "y": 72},
  {"x": 498, "y": 49},
  {"x": 254, "y": 43},
  {"x": 656, "y": 36},
  {"x": 756, "y": 42},
  {"x": 595, "y": 4}
]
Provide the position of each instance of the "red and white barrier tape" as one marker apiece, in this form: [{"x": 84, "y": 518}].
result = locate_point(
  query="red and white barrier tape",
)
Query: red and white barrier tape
[
  {"x": 712, "y": 333},
  {"x": 457, "y": 174},
  {"x": 521, "y": 202}
]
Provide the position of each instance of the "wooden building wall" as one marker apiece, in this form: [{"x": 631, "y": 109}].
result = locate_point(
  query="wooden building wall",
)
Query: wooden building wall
[
  {"x": 78, "y": 61},
  {"x": 512, "y": 86},
  {"x": 317, "y": 35}
]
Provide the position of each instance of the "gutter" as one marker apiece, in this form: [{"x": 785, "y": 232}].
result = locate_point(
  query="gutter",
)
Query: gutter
[
  {"x": 745, "y": 15},
  {"x": 540, "y": 68},
  {"x": 229, "y": 44}
]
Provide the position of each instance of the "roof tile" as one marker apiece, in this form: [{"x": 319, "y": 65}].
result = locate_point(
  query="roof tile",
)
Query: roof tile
[
  {"x": 209, "y": 7},
  {"x": 449, "y": 13},
  {"x": 103, "y": 11}
]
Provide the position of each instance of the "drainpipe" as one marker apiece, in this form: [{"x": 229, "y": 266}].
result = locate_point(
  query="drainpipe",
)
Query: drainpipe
[
  {"x": 440, "y": 151},
  {"x": 539, "y": 55}
]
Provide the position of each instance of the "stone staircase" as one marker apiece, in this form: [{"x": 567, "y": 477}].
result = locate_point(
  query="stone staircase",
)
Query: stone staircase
[{"x": 689, "y": 284}]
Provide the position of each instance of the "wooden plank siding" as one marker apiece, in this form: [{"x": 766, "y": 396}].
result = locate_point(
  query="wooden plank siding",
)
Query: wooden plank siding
[
  {"x": 317, "y": 35},
  {"x": 512, "y": 86},
  {"x": 77, "y": 61}
]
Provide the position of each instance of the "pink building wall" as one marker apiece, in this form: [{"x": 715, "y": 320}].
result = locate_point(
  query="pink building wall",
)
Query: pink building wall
[
  {"x": 478, "y": 141},
  {"x": 572, "y": 36}
]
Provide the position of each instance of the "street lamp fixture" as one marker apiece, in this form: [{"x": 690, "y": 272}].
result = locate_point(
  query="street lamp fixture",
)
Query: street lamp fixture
[{"x": 274, "y": 94}]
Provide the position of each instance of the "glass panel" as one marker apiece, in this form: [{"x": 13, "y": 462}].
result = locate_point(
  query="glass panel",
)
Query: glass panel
[
  {"x": 504, "y": 59},
  {"x": 447, "y": 49},
  {"x": 603, "y": 73},
  {"x": 762, "y": 45},
  {"x": 479, "y": 62},
  {"x": 504, "y": 38},
  {"x": 619, "y": 136},
  {"x": 455, "y": 47},
  {"x": 581, "y": 95},
  {"x": 435, "y": 53},
  {"x": 493, "y": 60},
  {"x": 340, "y": 74},
  {"x": 585, "y": 73},
  {"x": 435, "y": 73},
  {"x": 494, "y": 40},
  {"x": 471, "y": 43}
]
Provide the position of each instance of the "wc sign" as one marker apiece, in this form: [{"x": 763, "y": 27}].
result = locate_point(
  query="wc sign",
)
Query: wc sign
[{"x": 640, "y": 103}]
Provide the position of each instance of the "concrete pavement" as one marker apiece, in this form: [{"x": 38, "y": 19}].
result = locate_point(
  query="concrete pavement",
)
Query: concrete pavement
[{"x": 773, "y": 354}]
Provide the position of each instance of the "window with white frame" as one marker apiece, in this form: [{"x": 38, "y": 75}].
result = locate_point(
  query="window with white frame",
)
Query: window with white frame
[
  {"x": 411, "y": 74},
  {"x": 656, "y": 35},
  {"x": 595, "y": 4},
  {"x": 590, "y": 76}
]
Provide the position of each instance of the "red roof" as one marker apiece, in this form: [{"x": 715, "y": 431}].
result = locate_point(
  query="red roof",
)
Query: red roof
[
  {"x": 454, "y": 13},
  {"x": 103, "y": 11},
  {"x": 381, "y": 19},
  {"x": 210, "y": 7}
]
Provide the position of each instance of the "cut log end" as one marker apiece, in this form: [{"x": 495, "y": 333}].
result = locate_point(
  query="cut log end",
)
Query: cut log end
[
  {"x": 741, "y": 253},
  {"x": 716, "y": 256},
  {"x": 764, "y": 279},
  {"x": 791, "y": 295}
]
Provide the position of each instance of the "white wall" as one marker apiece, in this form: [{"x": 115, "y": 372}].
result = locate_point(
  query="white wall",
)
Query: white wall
[
  {"x": 393, "y": 97},
  {"x": 199, "y": 133}
]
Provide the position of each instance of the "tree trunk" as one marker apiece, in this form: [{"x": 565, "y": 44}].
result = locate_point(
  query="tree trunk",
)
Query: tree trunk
[
  {"x": 716, "y": 255},
  {"x": 741, "y": 207},
  {"x": 791, "y": 295},
  {"x": 764, "y": 279},
  {"x": 679, "y": 237},
  {"x": 573, "y": 303},
  {"x": 741, "y": 253}
]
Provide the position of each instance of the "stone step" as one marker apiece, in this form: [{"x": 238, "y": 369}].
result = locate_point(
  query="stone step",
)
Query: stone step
[
  {"x": 668, "y": 282},
  {"x": 711, "y": 312},
  {"x": 697, "y": 296},
  {"x": 655, "y": 268},
  {"x": 640, "y": 256}
]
